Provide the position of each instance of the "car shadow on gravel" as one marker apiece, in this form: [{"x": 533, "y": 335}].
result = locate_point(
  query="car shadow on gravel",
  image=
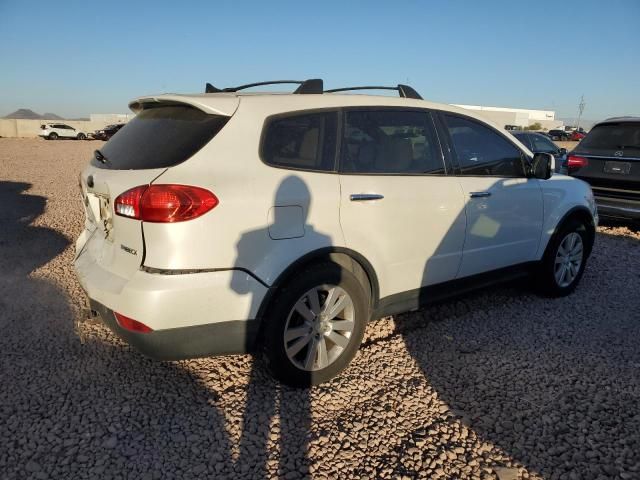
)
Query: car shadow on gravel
[
  {"x": 552, "y": 383},
  {"x": 268, "y": 400},
  {"x": 100, "y": 410}
]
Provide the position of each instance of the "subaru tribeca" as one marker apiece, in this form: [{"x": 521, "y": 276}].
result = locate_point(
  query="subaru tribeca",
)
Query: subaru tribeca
[{"x": 231, "y": 222}]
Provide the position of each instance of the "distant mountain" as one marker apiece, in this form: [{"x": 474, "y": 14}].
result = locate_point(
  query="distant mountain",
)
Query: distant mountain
[{"x": 26, "y": 114}]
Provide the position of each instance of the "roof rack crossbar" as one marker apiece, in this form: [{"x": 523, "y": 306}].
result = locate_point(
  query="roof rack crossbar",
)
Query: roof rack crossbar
[
  {"x": 405, "y": 91},
  {"x": 313, "y": 85}
]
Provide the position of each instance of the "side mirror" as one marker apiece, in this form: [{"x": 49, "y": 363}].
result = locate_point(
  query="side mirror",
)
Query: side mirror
[
  {"x": 542, "y": 166},
  {"x": 563, "y": 151}
]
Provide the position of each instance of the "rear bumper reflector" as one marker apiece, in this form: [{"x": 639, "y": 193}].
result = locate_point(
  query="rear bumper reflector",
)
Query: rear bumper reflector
[{"x": 131, "y": 324}]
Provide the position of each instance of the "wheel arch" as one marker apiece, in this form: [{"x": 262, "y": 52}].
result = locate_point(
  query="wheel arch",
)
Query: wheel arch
[
  {"x": 345, "y": 257},
  {"x": 581, "y": 214}
]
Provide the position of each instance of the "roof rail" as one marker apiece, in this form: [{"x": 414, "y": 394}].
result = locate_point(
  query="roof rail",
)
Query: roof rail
[
  {"x": 312, "y": 85},
  {"x": 405, "y": 91}
]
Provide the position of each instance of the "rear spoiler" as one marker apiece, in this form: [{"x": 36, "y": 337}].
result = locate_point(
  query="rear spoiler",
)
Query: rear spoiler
[{"x": 219, "y": 105}]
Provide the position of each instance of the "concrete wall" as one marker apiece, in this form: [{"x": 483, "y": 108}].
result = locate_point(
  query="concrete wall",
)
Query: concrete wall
[
  {"x": 8, "y": 128},
  {"x": 11, "y": 127}
]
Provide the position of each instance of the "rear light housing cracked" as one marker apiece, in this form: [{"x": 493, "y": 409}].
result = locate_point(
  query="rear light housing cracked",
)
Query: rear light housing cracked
[{"x": 164, "y": 203}]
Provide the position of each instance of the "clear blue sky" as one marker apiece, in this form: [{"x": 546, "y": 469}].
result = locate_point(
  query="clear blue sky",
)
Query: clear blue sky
[{"x": 75, "y": 58}]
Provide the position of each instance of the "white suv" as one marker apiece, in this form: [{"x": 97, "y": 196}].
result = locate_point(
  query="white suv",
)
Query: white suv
[
  {"x": 53, "y": 131},
  {"x": 223, "y": 222}
]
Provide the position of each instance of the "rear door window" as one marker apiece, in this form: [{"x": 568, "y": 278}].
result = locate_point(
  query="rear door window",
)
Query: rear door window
[
  {"x": 301, "y": 141},
  {"x": 395, "y": 142},
  {"x": 160, "y": 137}
]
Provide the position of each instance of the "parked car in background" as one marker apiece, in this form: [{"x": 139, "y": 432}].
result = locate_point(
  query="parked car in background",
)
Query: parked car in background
[
  {"x": 107, "y": 132},
  {"x": 576, "y": 136},
  {"x": 539, "y": 143},
  {"x": 224, "y": 223},
  {"x": 53, "y": 131},
  {"x": 608, "y": 158},
  {"x": 558, "y": 135}
]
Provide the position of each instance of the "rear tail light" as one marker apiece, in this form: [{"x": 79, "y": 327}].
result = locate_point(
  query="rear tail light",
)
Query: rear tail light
[
  {"x": 575, "y": 163},
  {"x": 164, "y": 203},
  {"x": 128, "y": 203},
  {"x": 131, "y": 324}
]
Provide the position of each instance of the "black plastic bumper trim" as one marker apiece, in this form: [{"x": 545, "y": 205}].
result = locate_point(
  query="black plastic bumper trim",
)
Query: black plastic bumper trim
[{"x": 211, "y": 339}]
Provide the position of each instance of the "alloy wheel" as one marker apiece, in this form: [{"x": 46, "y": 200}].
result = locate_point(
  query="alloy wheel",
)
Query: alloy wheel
[
  {"x": 568, "y": 259},
  {"x": 319, "y": 327}
]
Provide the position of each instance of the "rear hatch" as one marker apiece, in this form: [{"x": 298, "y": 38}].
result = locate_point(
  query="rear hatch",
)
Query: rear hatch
[
  {"x": 162, "y": 135},
  {"x": 608, "y": 158}
]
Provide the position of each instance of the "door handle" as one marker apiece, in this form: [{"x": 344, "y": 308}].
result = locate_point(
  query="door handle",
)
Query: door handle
[
  {"x": 363, "y": 197},
  {"x": 479, "y": 194}
]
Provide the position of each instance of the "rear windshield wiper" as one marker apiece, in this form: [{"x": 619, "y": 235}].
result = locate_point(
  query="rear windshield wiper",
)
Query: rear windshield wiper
[
  {"x": 622, "y": 147},
  {"x": 100, "y": 156}
]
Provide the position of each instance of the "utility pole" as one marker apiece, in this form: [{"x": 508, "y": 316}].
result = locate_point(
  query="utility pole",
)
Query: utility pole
[{"x": 581, "y": 106}]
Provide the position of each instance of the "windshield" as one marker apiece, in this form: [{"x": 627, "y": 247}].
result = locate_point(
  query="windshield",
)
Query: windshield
[{"x": 613, "y": 136}]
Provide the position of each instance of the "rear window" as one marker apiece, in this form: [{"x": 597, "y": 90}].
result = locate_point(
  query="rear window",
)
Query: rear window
[
  {"x": 305, "y": 142},
  {"x": 160, "y": 137},
  {"x": 614, "y": 136}
]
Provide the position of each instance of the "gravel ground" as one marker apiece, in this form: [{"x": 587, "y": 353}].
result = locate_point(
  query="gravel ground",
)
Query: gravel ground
[{"x": 501, "y": 384}]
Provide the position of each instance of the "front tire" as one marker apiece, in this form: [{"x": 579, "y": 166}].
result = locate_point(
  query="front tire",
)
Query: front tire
[
  {"x": 315, "y": 325},
  {"x": 53, "y": 136},
  {"x": 81, "y": 136},
  {"x": 564, "y": 260}
]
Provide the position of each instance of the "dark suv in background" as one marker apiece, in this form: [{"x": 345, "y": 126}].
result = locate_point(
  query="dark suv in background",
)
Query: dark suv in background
[
  {"x": 107, "y": 132},
  {"x": 608, "y": 158},
  {"x": 559, "y": 135}
]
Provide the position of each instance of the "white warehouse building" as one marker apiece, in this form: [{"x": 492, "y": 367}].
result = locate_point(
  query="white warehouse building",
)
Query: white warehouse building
[{"x": 520, "y": 117}]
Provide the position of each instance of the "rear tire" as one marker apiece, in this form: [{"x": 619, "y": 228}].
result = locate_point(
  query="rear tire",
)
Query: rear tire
[
  {"x": 53, "y": 136},
  {"x": 564, "y": 260},
  {"x": 315, "y": 325}
]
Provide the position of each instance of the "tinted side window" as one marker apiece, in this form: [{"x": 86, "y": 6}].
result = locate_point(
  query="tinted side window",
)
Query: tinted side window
[
  {"x": 390, "y": 142},
  {"x": 541, "y": 144},
  {"x": 524, "y": 139},
  {"x": 482, "y": 151},
  {"x": 305, "y": 141}
]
